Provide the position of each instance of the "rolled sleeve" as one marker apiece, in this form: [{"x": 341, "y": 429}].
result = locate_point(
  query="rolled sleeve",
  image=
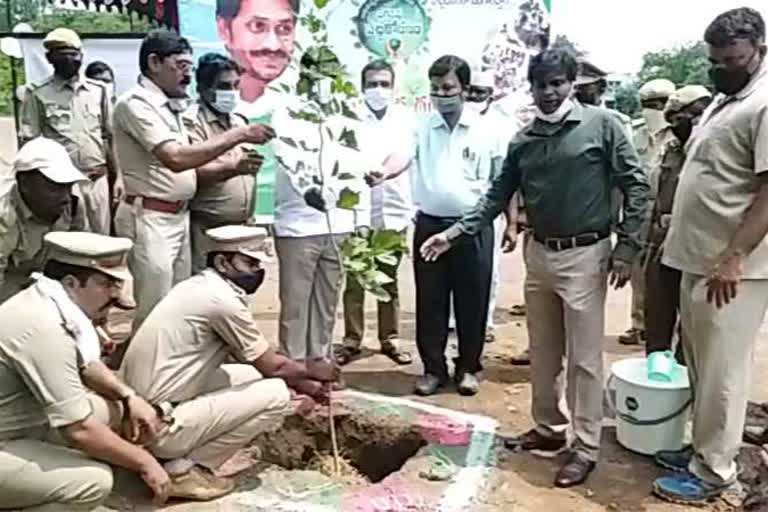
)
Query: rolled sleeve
[
  {"x": 628, "y": 175},
  {"x": 760, "y": 142},
  {"x": 234, "y": 323},
  {"x": 142, "y": 122},
  {"x": 47, "y": 361}
]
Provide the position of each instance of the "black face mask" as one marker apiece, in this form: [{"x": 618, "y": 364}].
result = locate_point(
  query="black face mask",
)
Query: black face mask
[
  {"x": 683, "y": 129},
  {"x": 66, "y": 68},
  {"x": 731, "y": 81},
  {"x": 249, "y": 281}
]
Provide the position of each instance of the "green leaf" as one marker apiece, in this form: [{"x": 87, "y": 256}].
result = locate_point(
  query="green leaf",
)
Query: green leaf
[
  {"x": 348, "y": 112},
  {"x": 346, "y": 176},
  {"x": 384, "y": 240},
  {"x": 387, "y": 259},
  {"x": 377, "y": 277},
  {"x": 348, "y": 139},
  {"x": 380, "y": 293},
  {"x": 335, "y": 170},
  {"x": 285, "y": 88},
  {"x": 304, "y": 146},
  {"x": 321, "y": 3},
  {"x": 348, "y": 199},
  {"x": 330, "y": 133},
  {"x": 289, "y": 141},
  {"x": 355, "y": 266}
]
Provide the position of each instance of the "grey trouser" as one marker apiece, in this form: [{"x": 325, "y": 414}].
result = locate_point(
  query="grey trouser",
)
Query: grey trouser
[
  {"x": 310, "y": 282},
  {"x": 565, "y": 299},
  {"x": 719, "y": 346}
]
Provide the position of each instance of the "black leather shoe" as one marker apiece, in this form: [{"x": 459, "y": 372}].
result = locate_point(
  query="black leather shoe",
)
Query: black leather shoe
[
  {"x": 536, "y": 443},
  {"x": 574, "y": 472},
  {"x": 428, "y": 384}
]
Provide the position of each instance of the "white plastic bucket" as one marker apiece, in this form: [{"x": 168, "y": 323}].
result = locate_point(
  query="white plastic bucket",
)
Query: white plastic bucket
[{"x": 651, "y": 416}]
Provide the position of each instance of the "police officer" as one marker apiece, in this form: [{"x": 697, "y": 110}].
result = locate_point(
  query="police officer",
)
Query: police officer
[
  {"x": 225, "y": 186},
  {"x": 75, "y": 112},
  {"x": 590, "y": 88},
  {"x": 50, "y": 431},
  {"x": 158, "y": 166},
  {"x": 177, "y": 357},
  {"x": 38, "y": 200}
]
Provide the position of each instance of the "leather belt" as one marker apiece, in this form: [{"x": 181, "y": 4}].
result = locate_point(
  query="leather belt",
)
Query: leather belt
[
  {"x": 571, "y": 242},
  {"x": 158, "y": 205},
  {"x": 95, "y": 173}
]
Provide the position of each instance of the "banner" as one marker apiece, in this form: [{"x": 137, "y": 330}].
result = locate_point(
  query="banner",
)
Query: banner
[{"x": 494, "y": 36}]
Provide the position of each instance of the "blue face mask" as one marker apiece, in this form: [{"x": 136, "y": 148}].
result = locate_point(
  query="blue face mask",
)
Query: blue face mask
[
  {"x": 225, "y": 101},
  {"x": 447, "y": 105},
  {"x": 249, "y": 281}
]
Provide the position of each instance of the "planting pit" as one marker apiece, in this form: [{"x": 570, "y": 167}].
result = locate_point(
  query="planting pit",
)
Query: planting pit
[{"x": 396, "y": 455}]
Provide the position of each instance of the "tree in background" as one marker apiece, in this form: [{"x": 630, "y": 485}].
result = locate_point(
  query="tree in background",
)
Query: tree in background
[
  {"x": 21, "y": 10},
  {"x": 562, "y": 42}
]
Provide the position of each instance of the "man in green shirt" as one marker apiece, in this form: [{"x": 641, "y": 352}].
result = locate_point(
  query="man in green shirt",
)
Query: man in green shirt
[{"x": 565, "y": 162}]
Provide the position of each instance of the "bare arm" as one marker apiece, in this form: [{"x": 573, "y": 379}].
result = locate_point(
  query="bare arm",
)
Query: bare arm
[
  {"x": 179, "y": 157},
  {"x": 274, "y": 365},
  {"x": 510, "y": 212},
  {"x": 216, "y": 171},
  {"x": 755, "y": 225},
  {"x": 100, "y": 379}
]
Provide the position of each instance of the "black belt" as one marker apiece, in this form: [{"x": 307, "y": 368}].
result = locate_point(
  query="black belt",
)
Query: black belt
[{"x": 570, "y": 242}]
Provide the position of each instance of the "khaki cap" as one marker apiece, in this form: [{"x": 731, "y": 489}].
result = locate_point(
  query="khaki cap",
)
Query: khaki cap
[
  {"x": 684, "y": 96},
  {"x": 660, "y": 88},
  {"x": 589, "y": 73},
  {"x": 106, "y": 254},
  {"x": 251, "y": 241},
  {"x": 50, "y": 158},
  {"x": 62, "y": 38}
]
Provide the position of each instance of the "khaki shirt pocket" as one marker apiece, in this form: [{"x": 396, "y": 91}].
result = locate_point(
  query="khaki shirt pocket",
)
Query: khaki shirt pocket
[{"x": 58, "y": 118}]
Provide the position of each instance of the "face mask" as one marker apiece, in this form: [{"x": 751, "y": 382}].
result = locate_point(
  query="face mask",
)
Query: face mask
[
  {"x": 249, "y": 282},
  {"x": 683, "y": 129},
  {"x": 447, "y": 105},
  {"x": 730, "y": 82},
  {"x": 654, "y": 120},
  {"x": 378, "y": 98},
  {"x": 66, "y": 69},
  {"x": 478, "y": 108},
  {"x": 225, "y": 102},
  {"x": 558, "y": 115}
]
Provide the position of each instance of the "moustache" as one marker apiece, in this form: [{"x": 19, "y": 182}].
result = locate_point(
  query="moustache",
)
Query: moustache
[
  {"x": 268, "y": 53},
  {"x": 112, "y": 302}
]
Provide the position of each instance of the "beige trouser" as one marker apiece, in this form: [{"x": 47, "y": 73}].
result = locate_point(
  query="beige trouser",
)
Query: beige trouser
[
  {"x": 161, "y": 253},
  {"x": 239, "y": 406},
  {"x": 565, "y": 298},
  {"x": 718, "y": 345},
  {"x": 95, "y": 197},
  {"x": 310, "y": 282}
]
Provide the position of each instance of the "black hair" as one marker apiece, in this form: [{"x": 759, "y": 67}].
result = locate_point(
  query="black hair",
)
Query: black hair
[
  {"x": 742, "y": 23},
  {"x": 210, "y": 66},
  {"x": 209, "y": 259},
  {"x": 98, "y": 67},
  {"x": 57, "y": 270},
  {"x": 162, "y": 43},
  {"x": 553, "y": 61},
  {"x": 448, "y": 63},
  {"x": 377, "y": 65},
  {"x": 228, "y": 9}
]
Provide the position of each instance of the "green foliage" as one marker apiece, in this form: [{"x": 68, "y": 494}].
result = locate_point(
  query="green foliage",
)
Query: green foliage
[
  {"x": 362, "y": 257},
  {"x": 348, "y": 199},
  {"x": 684, "y": 65},
  {"x": 627, "y": 101},
  {"x": 6, "y": 84},
  {"x": 26, "y": 11},
  {"x": 562, "y": 42}
]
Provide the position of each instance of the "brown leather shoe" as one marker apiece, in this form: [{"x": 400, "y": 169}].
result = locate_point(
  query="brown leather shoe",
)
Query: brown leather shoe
[
  {"x": 574, "y": 472},
  {"x": 199, "y": 484},
  {"x": 539, "y": 445}
]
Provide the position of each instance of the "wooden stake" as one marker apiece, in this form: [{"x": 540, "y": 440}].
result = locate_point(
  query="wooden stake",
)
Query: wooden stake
[{"x": 334, "y": 444}]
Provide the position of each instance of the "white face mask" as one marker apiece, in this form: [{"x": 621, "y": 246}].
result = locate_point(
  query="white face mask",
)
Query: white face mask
[
  {"x": 225, "y": 102},
  {"x": 478, "y": 107},
  {"x": 378, "y": 98},
  {"x": 654, "y": 120},
  {"x": 558, "y": 115}
]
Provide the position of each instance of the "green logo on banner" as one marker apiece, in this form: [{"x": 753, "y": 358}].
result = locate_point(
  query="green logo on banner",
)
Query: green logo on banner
[{"x": 392, "y": 28}]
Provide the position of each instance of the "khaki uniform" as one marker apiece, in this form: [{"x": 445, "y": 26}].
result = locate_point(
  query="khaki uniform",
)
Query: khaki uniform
[
  {"x": 223, "y": 202},
  {"x": 176, "y": 357},
  {"x": 144, "y": 119},
  {"x": 78, "y": 115},
  {"x": 21, "y": 241},
  {"x": 727, "y": 157},
  {"x": 41, "y": 391}
]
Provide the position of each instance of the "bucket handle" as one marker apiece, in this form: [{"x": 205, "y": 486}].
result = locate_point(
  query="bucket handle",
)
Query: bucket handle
[{"x": 642, "y": 423}]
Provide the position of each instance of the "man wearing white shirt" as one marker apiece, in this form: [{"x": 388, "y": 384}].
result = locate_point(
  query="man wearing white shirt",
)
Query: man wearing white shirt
[
  {"x": 310, "y": 272},
  {"x": 457, "y": 155},
  {"x": 391, "y": 130}
]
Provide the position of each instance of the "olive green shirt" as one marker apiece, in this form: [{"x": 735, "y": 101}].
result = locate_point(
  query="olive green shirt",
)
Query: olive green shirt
[{"x": 566, "y": 172}]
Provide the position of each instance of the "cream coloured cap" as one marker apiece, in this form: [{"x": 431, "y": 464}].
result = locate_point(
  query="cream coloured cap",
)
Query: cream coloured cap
[
  {"x": 50, "y": 158},
  {"x": 251, "y": 241},
  {"x": 684, "y": 96},
  {"x": 660, "y": 88},
  {"x": 106, "y": 254},
  {"x": 62, "y": 38}
]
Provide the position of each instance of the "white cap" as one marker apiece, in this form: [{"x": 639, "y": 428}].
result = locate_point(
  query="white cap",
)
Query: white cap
[
  {"x": 684, "y": 96},
  {"x": 484, "y": 79},
  {"x": 251, "y": 241},
  {"x": 661, "y": 88},
  {"x": 50, "y": 158}
]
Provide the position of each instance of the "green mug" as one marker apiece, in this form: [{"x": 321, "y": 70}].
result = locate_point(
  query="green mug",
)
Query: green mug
[{"x": 661, "y": 366}]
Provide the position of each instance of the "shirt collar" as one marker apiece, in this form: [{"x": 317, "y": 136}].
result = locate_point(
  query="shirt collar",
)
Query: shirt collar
[
  {"x": 152, "y": 92},
  {"x": 73, "y": 83},
  {"x": 238, "y": 291},
  {"x": 210, "y": 116}
]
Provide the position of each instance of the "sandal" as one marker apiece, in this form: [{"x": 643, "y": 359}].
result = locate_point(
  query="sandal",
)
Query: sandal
[
  {"x": 401, "y": 358},
  {"x": 344, "y": 355},
  {"x": 517, "y": 310}
]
